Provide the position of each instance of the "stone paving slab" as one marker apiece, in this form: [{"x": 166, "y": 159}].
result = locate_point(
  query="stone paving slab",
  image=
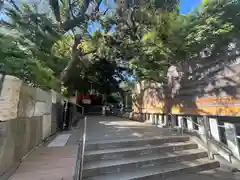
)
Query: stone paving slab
[
  {"x": 60, "y": 140},
  {"x": 48, "y": 164}
]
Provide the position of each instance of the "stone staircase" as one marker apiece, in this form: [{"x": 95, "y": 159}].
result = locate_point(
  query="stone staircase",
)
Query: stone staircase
[{"x": 141, "y": 159}]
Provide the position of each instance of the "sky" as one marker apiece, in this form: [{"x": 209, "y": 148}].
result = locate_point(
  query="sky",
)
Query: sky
[{"x": 187, "y": 6}]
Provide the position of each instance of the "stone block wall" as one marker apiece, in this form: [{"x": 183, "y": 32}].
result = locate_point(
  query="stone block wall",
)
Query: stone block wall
[{"x": 28, "y": 115}]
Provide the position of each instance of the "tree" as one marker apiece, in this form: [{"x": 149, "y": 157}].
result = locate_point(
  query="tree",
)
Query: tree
[
  {"x": 76, "y": 15},
  {"x": 47, "y": 42},
  {"x": 38, "y": 37},
  {"x": 154, "y": 38},
  {"x": 146, "y": 41},
  {"x": 16, "y": 61}
]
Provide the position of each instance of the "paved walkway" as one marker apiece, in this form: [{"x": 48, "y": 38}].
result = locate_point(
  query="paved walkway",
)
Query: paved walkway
[
  {"x": 57, "y": 160},
  {"x": 111, "y": 128},
  {"x": 56, "y": 163}
]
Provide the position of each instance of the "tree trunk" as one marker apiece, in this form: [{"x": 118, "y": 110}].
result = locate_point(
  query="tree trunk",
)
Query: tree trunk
[
  {"x": 70, "y": 24},
  {"x": 73, "y": 61}
]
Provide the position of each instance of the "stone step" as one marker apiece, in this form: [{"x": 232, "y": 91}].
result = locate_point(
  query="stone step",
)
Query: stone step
[
  {"x": 120, "y": 153},
  {"x": 163, "y": 171},
  {"x": 96, "y": 168},
  {"x": 121, "y": 143}
]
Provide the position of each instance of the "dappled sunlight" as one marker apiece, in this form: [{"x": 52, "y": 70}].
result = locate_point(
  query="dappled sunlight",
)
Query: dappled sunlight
[
  {"x": 137, "y": 134},
  {"x": 110, "y": 128},
  {"x": 122, "y": 123}
]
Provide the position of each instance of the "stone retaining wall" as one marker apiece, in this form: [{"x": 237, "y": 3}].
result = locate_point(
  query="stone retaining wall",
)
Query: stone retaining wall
[{"x": 28, "y": 115}]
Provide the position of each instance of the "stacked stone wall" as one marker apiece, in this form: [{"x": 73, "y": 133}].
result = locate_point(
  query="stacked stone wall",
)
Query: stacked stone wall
[{"x": 28, "y": 115}]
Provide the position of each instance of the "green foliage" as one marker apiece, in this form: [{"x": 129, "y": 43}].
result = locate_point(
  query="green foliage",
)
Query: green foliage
[
  {"x": 16, "y": 61},
  {"x": 215, "y": 24},
  {"x": 148, "y": 39},
  {"x": 33, "y": 34},
  {"x": 105, "y": 76},
  {"x": 154, "y": 37}
]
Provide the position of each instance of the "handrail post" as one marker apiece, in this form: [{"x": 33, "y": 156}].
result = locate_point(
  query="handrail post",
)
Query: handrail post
[
  {"x": 208, "y": 136},
  {"x": 182, "y": 125}
]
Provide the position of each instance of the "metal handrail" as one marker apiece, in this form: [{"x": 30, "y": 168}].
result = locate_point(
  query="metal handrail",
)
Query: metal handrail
[
  {"x": 81, "y": 108},
  {"x": 81, "y": 152},
  {"x": 221, "y": 126},
  {"x": 83, "y": 148},
  {"x": 74, "y": 112},
  {"x": 208, "y": 133},
  {"x": 182, "y": 125},
  {"x": 211, "y": 139},
  {"x": 194, "y": 122}
]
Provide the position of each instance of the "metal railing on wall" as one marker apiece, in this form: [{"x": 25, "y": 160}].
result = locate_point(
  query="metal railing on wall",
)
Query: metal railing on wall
[
  {"x": 223, "y": 140},
  {"x": 81, "y": 151},
  {"x": 73, "y": 117},
  {"x": 81, "y": 107},
  {"x": 216, "y": 137}
]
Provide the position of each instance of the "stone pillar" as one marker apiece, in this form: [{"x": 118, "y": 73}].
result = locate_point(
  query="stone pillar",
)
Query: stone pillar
[
  {"x": 153, "y": 119},
  {"x": 143, "y": 117},
  {"x": 180, "y": 119},
  {"x": 160, "y": 117},
  {"x": 190, "y": 124},
  {"x": 162, "y": 120},
  {"x": 213, "y": 123},
  {"x": 130, "y": 115},
  {"x": 202, "y": 130},
  {"x": 232, "y": 140},
  {"x": 150, "y": 118},
  {"x": 174, "y": 120},
  {"x": 157, "y": 119}
]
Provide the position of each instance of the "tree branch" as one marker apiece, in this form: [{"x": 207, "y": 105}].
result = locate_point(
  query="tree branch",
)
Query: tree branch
[
  {"x": 86, "y": 4},
  {"x": 71, "y": 23},
  {"x": 70, "y": 8},
  {"x": 56, "y": 9}
]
